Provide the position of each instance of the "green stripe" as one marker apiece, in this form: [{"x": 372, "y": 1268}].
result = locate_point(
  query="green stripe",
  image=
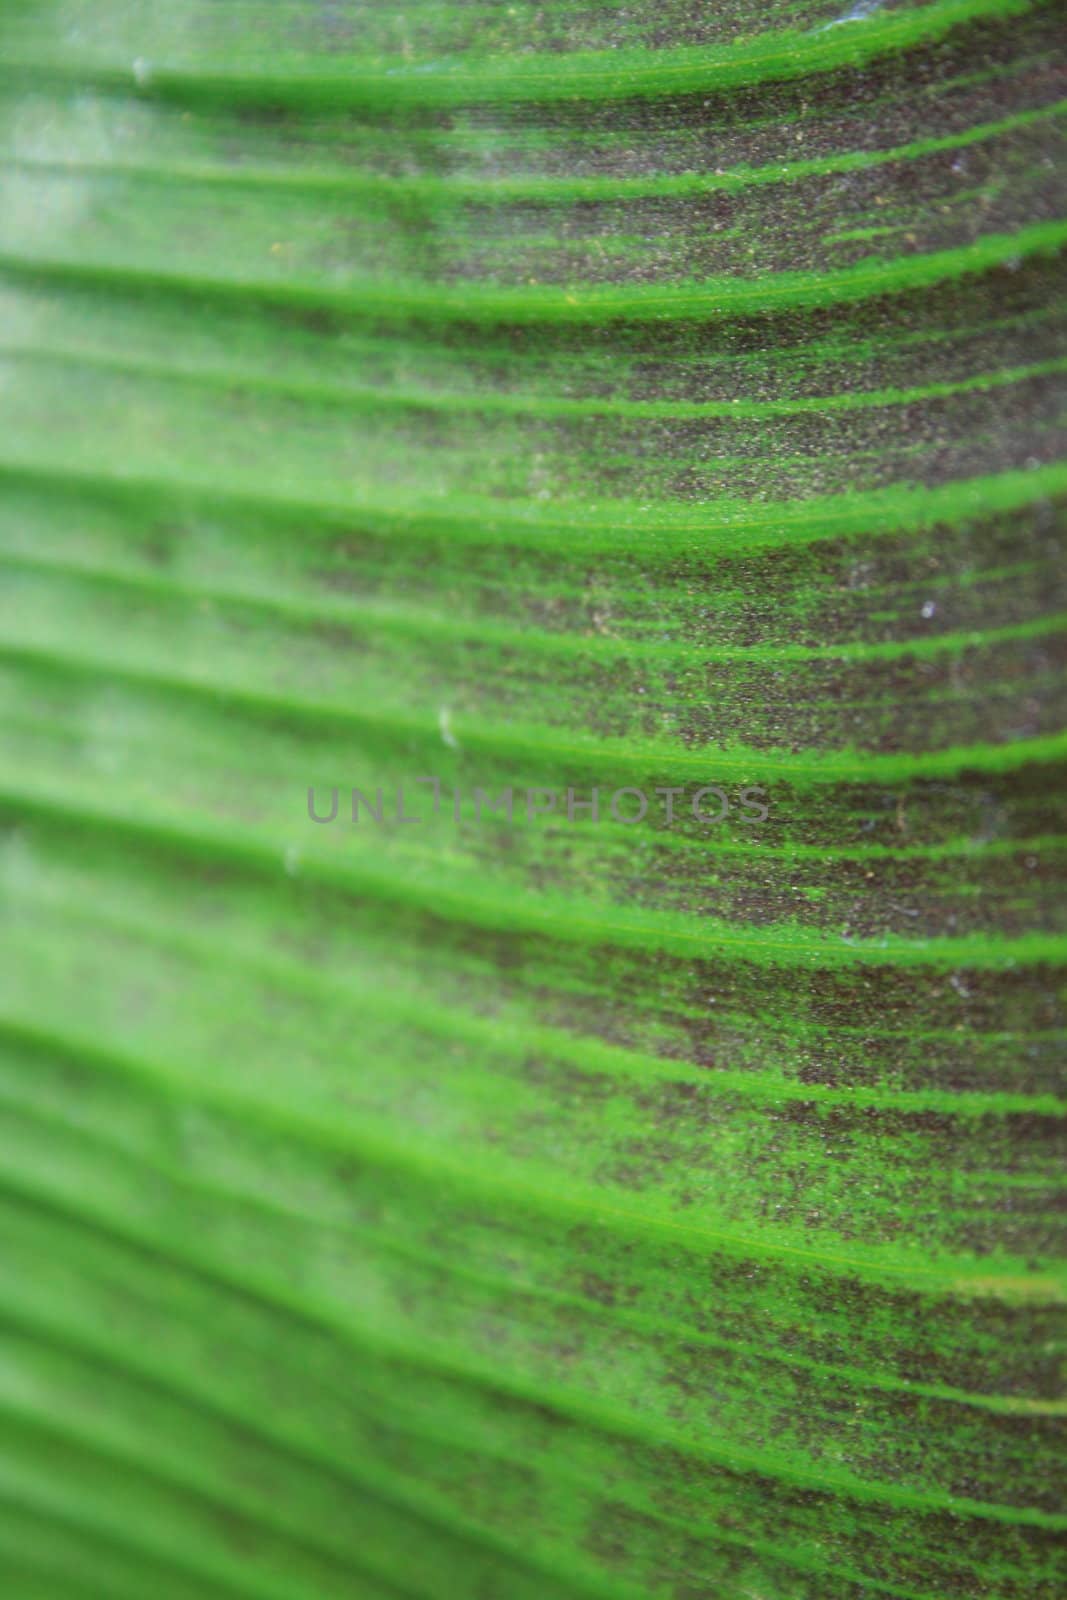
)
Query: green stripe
[{"x": 609, "y": 75}]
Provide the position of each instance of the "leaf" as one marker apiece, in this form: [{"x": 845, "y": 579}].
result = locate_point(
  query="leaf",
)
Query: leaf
[{"x": 531, "y": 1205}]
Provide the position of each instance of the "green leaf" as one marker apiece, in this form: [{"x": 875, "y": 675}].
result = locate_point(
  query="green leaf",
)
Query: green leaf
[{"x": 548, "y": 399}]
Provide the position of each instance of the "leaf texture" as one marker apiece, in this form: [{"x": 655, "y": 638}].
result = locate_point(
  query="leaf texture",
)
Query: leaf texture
[{"x": 551, "y": 398}]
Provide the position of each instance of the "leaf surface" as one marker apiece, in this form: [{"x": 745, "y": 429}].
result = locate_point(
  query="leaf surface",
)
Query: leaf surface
[{"x": 546, "y": 399}]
